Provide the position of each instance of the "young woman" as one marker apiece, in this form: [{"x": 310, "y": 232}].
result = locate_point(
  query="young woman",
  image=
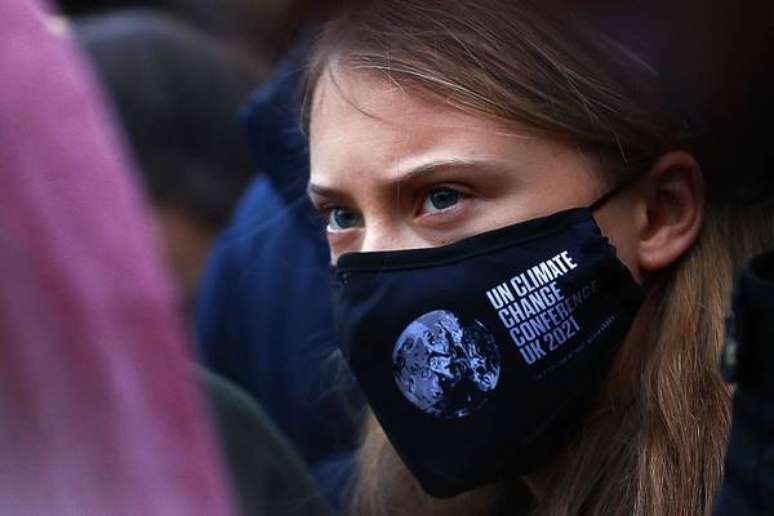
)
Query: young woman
[{"x": 534, "y": 246}]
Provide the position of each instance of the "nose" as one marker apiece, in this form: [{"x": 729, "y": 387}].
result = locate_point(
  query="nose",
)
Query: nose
[
  {"x": 388, "y": 236},
  {"x": 382, "y": 236}
]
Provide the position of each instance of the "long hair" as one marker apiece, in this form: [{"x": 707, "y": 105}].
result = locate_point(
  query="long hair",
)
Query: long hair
[{"x": 616, "y": 82}]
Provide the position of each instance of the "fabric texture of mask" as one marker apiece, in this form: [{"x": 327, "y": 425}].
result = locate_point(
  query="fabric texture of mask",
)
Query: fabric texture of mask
[{"x": 479, "y": 358}]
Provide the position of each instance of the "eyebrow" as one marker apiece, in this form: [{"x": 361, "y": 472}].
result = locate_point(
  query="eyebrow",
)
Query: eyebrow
[{"x": 420, "y": 173}]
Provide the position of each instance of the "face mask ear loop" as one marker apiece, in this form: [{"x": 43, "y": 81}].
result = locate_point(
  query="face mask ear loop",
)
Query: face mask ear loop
[
  {"x": 647, "y": 284},
  {"x": 612, "y": 193}
]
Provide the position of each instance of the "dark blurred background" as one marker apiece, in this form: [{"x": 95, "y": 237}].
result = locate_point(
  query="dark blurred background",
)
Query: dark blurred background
[{"x": 266, "y": 27}]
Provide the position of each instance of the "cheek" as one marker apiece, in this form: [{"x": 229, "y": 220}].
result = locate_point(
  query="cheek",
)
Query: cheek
[{"x": 618, "y": 225}]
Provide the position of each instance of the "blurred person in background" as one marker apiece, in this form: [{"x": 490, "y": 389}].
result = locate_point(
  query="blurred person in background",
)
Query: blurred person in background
[
  {"x": 98, "y": 409},
  {"x": 271, "y": 263},
  {"x": 256, "y": 26},
  {"x": 748, "y": 362},
  {"x": 263, "y": 317},
  {"x": 176, "y": 91}
]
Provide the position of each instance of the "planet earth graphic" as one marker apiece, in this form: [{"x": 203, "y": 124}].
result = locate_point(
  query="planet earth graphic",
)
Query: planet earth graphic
[{"x": 444, "y": 368}]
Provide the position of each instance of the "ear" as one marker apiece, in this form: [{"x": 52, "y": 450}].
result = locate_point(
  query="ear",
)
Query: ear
[{"x": 672, "y": 195}]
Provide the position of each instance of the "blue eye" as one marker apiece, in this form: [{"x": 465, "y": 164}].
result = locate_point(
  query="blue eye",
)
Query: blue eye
[
  {"x": 441, "y": 199},
  {"x": 340, "y": 219}
]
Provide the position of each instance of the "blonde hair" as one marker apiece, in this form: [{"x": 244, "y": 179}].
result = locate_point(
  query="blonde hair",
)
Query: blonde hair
[{"x": 658, "y": 450}]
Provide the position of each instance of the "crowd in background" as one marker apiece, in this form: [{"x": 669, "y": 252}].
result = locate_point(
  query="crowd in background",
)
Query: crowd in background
[
  {"x": 207, "y": 120},
  {"x": 203, "y": 99}
]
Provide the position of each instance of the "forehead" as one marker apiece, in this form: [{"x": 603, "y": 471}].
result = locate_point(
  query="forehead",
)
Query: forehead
[
  {"x": 341, "y": 93},
  {"x": 364, "y": 124}
]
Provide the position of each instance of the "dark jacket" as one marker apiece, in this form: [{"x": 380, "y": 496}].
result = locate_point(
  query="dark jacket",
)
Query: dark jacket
[
  {"x": 748, "y": 359},
  {"x": 264, "y": 316},
  {"x": 267, "y": 475}
]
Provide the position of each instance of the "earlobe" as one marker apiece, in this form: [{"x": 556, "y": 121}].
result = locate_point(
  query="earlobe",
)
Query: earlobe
[{"x": 674, "y": 195}]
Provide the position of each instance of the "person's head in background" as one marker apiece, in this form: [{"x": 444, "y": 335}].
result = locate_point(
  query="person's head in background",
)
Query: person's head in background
[
  {"x": 176, "y": 92},
  {"x": 560, "y": 103},
  {"x": 266, "y": 28}
]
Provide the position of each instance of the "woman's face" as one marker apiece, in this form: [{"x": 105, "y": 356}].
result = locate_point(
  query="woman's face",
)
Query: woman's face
[{"x": 390, "y": 171}]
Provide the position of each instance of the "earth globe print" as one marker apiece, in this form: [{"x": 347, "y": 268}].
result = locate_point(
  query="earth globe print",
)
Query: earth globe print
[{"x": 445, "y": 368}]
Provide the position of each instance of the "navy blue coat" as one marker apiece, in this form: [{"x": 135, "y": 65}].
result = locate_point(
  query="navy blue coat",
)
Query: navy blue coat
[
  {"x": 748, "y": 359},
  {"x": 264, "y": 318}
]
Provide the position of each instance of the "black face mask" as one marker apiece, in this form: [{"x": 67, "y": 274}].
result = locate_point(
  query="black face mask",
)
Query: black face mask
[{"x": 480, "y": 358}]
